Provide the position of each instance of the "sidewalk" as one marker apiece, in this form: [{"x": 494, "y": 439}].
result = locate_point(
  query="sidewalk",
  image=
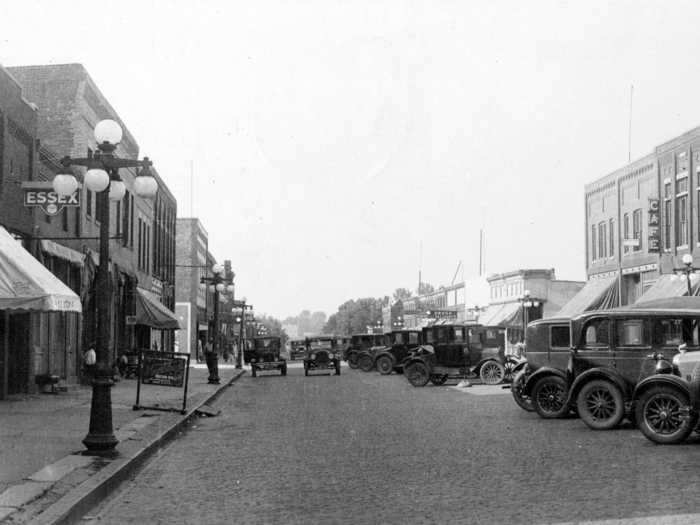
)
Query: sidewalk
[{"x": 44, "y": 478}]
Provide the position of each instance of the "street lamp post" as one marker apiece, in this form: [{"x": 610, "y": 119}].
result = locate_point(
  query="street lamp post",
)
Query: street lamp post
[
  {"x": 103, "y": 178},
  {"x": 398, "y": 324},
  {"x": 218, "y": 284},
  {"x": 688, "y": 270},
  {"x": 527, "y": 302}
]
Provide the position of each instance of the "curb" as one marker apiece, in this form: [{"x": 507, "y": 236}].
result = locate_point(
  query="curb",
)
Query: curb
[{"x": 76, "y": 503}]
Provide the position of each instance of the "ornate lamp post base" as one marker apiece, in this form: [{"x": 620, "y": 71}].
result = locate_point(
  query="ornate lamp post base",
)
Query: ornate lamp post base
[
  {"x": 213, "y": 365},
  {"x": 101, "y": 440}
]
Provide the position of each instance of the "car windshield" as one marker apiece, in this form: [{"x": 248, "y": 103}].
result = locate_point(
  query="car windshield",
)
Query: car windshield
[{"x": 320, "y": 343}]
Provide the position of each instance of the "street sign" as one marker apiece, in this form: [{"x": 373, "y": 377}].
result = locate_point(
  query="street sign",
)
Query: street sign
[
  {"x": 41, "y": 194},
  {"x": 441, "y": 314}
]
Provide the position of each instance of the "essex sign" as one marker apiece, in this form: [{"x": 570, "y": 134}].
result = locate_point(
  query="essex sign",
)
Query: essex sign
[{"x": 41, "y": 194}]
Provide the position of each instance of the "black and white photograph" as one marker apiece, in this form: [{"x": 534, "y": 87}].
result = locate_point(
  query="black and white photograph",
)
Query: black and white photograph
[{"x": 349, "y": 262}]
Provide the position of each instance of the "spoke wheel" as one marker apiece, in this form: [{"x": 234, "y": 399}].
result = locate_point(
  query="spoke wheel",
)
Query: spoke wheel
[
  {"x": 509, "y": 370},
  {"x": 660, "y": 415},
  {"x": 549, "y": 397},
  {"x": 438, "y": 379},
  {"x": 385, "y": 365},
  {"x": 365, "y": 362},
  {"x": 492, "y": 373},
  {"x": 352, "y": 360},
  {"x": 516, "y": 389},
  {"x": 417, "y": 374},
  {"x": 600, "y": 405}
]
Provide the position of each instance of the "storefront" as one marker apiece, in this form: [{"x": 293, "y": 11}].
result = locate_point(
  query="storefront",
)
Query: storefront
[{"x": 151, "y": 320}]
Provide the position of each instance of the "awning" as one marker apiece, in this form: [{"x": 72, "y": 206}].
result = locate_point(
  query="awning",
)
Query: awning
[
  {"x": 665, "y": 286},
  {"x": 504, "y": 314},
  {"x": 62, "y": 252},
  {"x": 151, "y": 312},
  {"x": 596, "y": 294},
  {"x": 26, "y": 284}
]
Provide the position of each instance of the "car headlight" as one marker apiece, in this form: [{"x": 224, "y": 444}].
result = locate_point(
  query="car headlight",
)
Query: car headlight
[
  {"x": 331, "y": 356},
  {"x": 253, "y": 360},
  {"x": 676, "y": 359},
  {"x": 313, "y": 356}
]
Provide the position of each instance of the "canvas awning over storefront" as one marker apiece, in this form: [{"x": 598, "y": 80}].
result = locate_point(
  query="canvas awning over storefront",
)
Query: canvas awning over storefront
[
  {"x": 26, "y": 284},
  {"x": 505, "y": 314},
  {"x": 666, "y": 286},
  {"x": 62, "y": 252},
  {"x": 151, "y": 312},
  {"x": 597, "y": 294}
]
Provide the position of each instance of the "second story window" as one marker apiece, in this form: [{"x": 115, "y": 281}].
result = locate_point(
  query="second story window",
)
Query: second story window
[
  {"x": 593, "y": 243},
  {"x": 637, "y": 229},
  {"x": 602, "y": 241},
  {"x": 682, "y": 212},
  {"x": 612, "y": 237},
  {"x": 626, "y": 230}
]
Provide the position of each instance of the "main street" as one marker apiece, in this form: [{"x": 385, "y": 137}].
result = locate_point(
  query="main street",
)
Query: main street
[{"x": 365, "y": 448}]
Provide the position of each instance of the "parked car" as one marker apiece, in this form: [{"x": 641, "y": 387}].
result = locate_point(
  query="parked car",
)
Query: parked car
[
  {"x": 547, "y": 349},
  {"x": 265, "y": 355},
  {"x": 297, "y": 348},
  {"x": 365, "y": 358},
  {"x": 457, "y": 352},
  {"x": 359, "y": 343},
  {"x": 400, "y": 345},
  {"x": 321, "y": 354},
  {"x": 613, "y": 351}
]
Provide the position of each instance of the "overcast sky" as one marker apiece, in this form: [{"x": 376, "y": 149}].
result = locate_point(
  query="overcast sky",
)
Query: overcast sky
[{"x": 329, "y": 139}]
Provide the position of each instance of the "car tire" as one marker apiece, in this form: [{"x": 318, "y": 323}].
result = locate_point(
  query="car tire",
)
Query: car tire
[
  {"x": 337, "y": 368},
  {"x": 417, "y": 374},
  {"x": 492, "y": 373},
  {"x": 600, "y": 404},
  {"x": 549, "y": 397},
  {"x": 253, "y": 371},
  {"x": 516, "y": 389},
  {"x": 438, "y": 379},
  {"x": 658, "y": 411},
  {"x": 385, "y": 365},
  {"x": 352, "y": 360},
  {"x": 365, "y": 362}
]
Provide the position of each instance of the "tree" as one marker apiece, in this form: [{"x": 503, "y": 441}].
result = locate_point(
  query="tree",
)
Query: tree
[
  {"x": 402, "y": 294},
  {"x": 355, "y": 315}
]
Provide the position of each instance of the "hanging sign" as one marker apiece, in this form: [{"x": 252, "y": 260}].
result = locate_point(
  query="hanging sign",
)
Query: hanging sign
[
  {"x": 41, "y": 194},
  {"x": 654, "y": 227}
]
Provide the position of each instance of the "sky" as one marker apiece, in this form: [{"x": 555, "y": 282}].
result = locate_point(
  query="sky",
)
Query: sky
[{"x": 333, "y": 148}]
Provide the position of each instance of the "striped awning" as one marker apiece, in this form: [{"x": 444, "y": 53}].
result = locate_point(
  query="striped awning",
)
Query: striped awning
[{"x": 597, "y": 294}]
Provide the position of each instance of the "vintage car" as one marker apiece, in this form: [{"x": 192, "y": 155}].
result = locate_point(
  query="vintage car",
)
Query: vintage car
[
  {"x": 366, "y": 358},
  {"x": 666, "y": 405},
  {"x": 265, "y": 355},
  {"x": 547, "y": 346},
  {"x": 612, "y": 353},
  {"x": 390, "y": 357},
  {"x": 321, "y": 354},
  {"x": 297, "y": 348},
  {"x": 456, "y": 352},
  {"x": 359, "y": 343}
]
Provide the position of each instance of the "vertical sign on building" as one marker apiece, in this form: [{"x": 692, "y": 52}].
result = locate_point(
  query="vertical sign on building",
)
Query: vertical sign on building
[{"x": 654, "y": 226}]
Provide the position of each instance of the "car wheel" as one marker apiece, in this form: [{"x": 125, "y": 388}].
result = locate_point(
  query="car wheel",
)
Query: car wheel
[
  {"x": 337, "y": 368},
  {"x": 253, "y": 371},
  {"x": 659, "y": 415},
  {"x": 600, "y": 405},
  {"x": 438, "y": 379},
  {"x": 516, "y": 389},
  {"x": 549, "y": 397},
  {"x": 491, "y": 373},
  {"x": 385, "y": 365},
  {"x": 509, "y": 369},
  {"x": 352, "y": 360},
  {"x": 417, "y": 374},
  {"x": 365, "y": 362}
]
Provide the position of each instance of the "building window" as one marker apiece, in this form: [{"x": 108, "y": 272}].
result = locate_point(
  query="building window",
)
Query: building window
[
  {"x": 612, "y": 237},
  {"x": 682, "y": 220},
  {"x": 593, "y": 243},
  {"x": 682, "y": 162},
  {"x": 88, "y": 203},
  {"x": 667, "y": 224},
  {"x": 602, "y": 241},
  {"x": 667, "y": 190},
  {"x": 626, "y": 230},
  {"x": 637, "y": 229}
]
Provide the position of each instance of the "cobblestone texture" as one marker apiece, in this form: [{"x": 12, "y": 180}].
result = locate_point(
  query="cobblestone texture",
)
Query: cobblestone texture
[{"x": 363, "y": 448}]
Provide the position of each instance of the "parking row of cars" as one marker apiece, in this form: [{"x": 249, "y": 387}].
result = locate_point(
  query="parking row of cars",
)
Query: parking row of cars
[{"x": 640, "y": 362}]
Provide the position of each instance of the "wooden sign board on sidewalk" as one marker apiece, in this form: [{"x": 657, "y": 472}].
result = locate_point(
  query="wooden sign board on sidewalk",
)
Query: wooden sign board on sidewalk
[{"x": 163, "y": 369}]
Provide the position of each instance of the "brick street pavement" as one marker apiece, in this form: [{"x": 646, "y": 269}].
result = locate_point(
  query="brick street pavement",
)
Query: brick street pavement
[{"x": 362, "y": 448}]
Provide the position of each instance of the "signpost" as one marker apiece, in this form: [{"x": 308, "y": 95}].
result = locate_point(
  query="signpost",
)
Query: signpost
[{"x": 163, "y": 369}]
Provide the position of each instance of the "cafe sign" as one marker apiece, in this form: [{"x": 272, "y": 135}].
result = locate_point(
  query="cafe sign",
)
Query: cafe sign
[
  {"x": 654, "y": 237},
  {"x": 42, "y": 195}
]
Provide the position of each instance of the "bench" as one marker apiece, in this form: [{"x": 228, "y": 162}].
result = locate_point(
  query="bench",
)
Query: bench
[{"x": 43, "y": 380}]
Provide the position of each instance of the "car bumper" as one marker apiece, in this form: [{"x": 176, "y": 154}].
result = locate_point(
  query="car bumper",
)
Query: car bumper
[
  {"x": 320, "y": 366},
  {"x": 274, "y": 365}
]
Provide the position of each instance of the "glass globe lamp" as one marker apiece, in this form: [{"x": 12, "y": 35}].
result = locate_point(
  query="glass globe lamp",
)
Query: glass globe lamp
[
  {"x": 108, "y": 131},
  {"x": 117, "y": 190},
  {"x": 96, "y": 179},
  {"x": 65, "y": 184}
]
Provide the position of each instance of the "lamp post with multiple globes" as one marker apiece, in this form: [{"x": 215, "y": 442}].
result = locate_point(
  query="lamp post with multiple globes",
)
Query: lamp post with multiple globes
[
  {"x": 217, "y": 284},
  {"x": 688, "y": 270},
  {"x": 527, "y": 302},
  {"x": 102, "y": 177}
]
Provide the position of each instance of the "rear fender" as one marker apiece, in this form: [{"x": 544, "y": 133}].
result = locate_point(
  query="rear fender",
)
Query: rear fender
[
  {"x": 386, "y": 353},
  {"x": 539, "y": 374},
  {"x": 599, "y": 373},
  {"x": 427, "y": 360},
  {"x": 519, "y": 367}
]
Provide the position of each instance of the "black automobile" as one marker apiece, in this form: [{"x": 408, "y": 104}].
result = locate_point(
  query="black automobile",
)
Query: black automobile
[
  {"x": 265, "y": 355},
  {"x": 457, "y": 352},
  {"x": 398, "y": 346},
  {"x": 547, "y": 347},
  {"x": 297, "y": 348},
  {"x": 359, "y": 343},
  {"x": 366, "y": 358},
  {"x": 612, "y": 354},
  {"x": 321, "y": 354}
]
